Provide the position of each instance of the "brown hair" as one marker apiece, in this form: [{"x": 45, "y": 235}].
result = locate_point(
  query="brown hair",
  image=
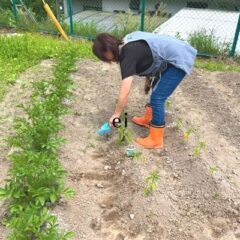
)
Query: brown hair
[{"x": 105, "y": 42}]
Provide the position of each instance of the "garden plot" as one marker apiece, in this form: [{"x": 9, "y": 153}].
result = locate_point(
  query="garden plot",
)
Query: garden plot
[{"x": 197, "y": 196}]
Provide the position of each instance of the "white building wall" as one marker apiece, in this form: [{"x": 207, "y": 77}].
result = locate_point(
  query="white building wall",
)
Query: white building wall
[{"x": 172, "y": 6}]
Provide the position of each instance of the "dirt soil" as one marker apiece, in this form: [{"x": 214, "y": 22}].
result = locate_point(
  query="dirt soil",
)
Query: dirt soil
[{"x": 191, "y": 201}]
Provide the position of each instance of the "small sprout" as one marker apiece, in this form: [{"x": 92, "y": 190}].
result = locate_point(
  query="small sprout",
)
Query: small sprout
[
  {"x": 198, "y": 148},
  {"x": 178, "y": 123},
  {"x": 213, "y": 170},
  {"x": 216, "y": 195},
  {"x": 138, "y": 156},
  {"x": 188, "y": 132},
  {"x": 191, "y": 213},
  {"x": 168, "y": 104},
  {"x": 151, "y": 182}
]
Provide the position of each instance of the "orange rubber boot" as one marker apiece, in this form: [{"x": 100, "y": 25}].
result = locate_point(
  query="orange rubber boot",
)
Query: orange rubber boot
[
  {"x": 146, "y": 119},
  {"x": 154, "y": 139}
]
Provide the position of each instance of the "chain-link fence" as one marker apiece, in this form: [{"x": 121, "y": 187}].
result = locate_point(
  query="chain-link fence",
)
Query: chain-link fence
[{"x": 212, "y": 26}]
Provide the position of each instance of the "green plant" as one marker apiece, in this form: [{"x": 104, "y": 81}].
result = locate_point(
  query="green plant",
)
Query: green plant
[
  {"x": 218, "y": 65},
  {"x": 124, "y": 136},
  {"x": 198, "y": 148},
  {"x": 126, "y": 23},
  {"x": 36, "y": 178},
  {"x": 207, "y": 43},
  {"x": 7, "y": 18},
  {"x": 153, "y": 22},
  {"x": 138, "y": 156},
  {"x": 168, "y": 104},
  {"x": 212, "y": 170},
  {"x": 178, "y": 123},
  {"x": 216, "y": 195},
  {"x": 188, "y": 132},
  {"x": 129, "y": 22},
  {"x": 89, "y": 30},
  {"x": 151, "y": 182}
]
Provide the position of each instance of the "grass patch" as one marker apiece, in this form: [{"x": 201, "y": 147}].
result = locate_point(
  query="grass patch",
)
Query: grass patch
[
  {"x": 207, "y": 43},
  {"x": 218, "y": 65},
  {"x": 21, "y": 52}
]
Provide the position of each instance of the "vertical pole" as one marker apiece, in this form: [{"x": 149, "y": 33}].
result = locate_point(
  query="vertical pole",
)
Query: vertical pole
[
  {"x": 70, "y": 13},
  {"x": 234, "y": 46},
  {"x": 143, "y": 5},
  {"x": 15, "y": 11}
]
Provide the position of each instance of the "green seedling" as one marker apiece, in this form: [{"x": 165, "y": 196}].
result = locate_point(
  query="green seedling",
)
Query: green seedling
[
  {"x": 168, "y": 104},
  {"x": 212, "y": 170},
  {"x": 178, "y": 123},
  {"x": 151, "y": 182},
  {"x": 198, "y": 148},
  {"x": 138, "y": 156},
  {"x": 188, "y": 133},
  {"x": 216, "y": 195},
  {"x": 191, "y": 213},
  {"x": 124, "y": 136}
]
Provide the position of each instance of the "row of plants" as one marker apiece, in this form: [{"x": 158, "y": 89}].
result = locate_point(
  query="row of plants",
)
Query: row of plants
[
  {"x": 200, "y": 146},
  {"x": 125, "y": 137},
  {"x": 36, "y": 178}
]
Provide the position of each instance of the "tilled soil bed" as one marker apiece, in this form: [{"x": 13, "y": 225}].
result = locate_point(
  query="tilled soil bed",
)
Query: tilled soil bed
[{"x": 192, "y": 202}]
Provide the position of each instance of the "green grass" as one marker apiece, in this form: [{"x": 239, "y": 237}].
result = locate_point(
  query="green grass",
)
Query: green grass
[
  {"x": 208, "y": 43},
  {"x": 21, "y": 52},
  {"x": 218, "y": 65}
]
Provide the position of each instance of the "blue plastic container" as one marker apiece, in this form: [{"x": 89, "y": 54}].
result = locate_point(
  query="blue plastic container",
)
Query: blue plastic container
[{"x": 105, "y": 129}]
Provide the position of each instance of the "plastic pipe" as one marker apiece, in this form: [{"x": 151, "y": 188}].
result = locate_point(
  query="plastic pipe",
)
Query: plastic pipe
[{"x": 55, "y": 21}]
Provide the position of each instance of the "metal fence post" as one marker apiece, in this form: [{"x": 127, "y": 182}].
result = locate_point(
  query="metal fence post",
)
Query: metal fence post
[
  {"x": 15, "y": 11},
  {"x": 70, "y": 13},
  {"x": 143, "y": 6},
  {"x": 234, "y": 46}
]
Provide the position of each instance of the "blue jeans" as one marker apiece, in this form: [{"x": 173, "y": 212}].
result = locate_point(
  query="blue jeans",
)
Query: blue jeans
[{"x": 164, "y": 87}]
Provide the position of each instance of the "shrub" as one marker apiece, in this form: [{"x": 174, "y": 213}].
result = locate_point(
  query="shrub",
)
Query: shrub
[{"x": 207, "y": 43}]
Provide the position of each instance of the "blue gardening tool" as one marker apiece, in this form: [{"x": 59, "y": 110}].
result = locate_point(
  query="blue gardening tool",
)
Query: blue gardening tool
[{"x": 105, "y": 129}]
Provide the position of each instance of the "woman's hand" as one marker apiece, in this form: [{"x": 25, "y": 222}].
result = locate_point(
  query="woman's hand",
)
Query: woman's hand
[
  {"x": 122, "y": 98},
  {"x": 112, "y": 118},
  {"x": 147, "y": 86}
]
